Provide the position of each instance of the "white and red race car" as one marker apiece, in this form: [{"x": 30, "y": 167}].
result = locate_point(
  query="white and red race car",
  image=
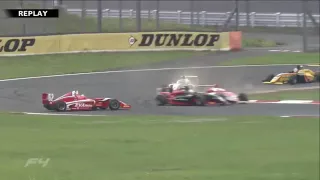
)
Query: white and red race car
[
  {"x": 73, "y": 101},
  {"x": 185, "y": 91}
]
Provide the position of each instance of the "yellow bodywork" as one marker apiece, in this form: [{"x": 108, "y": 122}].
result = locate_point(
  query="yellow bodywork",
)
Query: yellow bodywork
[{"x": 283, "y": 78}]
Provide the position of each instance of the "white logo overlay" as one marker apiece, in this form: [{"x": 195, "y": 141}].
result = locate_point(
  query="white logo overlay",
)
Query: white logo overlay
[
  {"x": 39, "y": 161},
  {"x": 83, "y": 105}
]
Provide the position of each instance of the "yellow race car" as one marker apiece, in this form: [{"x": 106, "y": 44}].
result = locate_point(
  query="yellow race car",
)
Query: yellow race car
[{"x": 301, "y": 76}]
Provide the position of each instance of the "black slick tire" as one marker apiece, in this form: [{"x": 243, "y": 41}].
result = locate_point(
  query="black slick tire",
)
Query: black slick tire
[
  {"x": 293, "y": 80},
  {"x": 114, "y": 104},
  {"x": 243, "y": 97},
  {"x": 60, "y": 106},
  {"x": 200, "y": 100},
  {"x": 161, "y": 100}
]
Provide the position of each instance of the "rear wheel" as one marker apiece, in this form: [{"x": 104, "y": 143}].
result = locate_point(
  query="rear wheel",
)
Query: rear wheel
[
  {"x": 200, "y": 100},
  {"x": 114, "y": 104},
  {"x": 60, "y": 106},
  {"x": 47, "y": 106},
  {"x": 317, "y": 77},
  {"x": 161, "y": 100}
]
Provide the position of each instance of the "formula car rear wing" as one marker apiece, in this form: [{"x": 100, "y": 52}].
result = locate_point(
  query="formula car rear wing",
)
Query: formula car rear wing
[
  {"x": 205, "y": 85},
  {"x": 190, "y": 76},
  {"x": 47, "y": 97},
  {"x": 194, "y": 79}
]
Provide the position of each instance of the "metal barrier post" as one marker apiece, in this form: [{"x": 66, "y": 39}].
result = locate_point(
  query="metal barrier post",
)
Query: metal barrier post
[
  {"x": 24, "y": 26},
  {"x": 304, "y": 30},
  {"x": 191, "y": 14},
  {"x": 120, "y": 15},
  {"x": 83, "y": 15},
  {"x": 138, "y": 15},
  {"x": 157, "y": 15},
  {"x": 99, "y": 16},
  {"x": 248, "y": 13},
  {"x": 237, "y": 15}
]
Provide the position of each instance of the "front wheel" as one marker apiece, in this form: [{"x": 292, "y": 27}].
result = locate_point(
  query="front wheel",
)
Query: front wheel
[
  {"x": 243, "y": 97},
  {"x": 293, "y": 80},
  {"x": 114, "y": 104},
  {"x": 161, "y": 100}
]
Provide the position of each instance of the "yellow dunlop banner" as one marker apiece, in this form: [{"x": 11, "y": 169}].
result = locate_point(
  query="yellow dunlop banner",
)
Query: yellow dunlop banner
[
  {"x": 144, "y": 41},
  {"x": 180, "y": 40},
  {"x": 29, "y": 45},
  {"x": 114, "y": 42}
]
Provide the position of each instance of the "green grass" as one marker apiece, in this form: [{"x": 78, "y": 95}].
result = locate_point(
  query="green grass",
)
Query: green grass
[
  {"x": 258, "y": 43},
  {"x": 279, "y": 58},
  {"x": 12, "y": 67},
  {"x": 159, "y": 147},
  {"x": 309, "y": 94}
]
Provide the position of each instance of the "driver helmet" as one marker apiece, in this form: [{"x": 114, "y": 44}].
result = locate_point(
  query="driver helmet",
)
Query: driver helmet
[
  {"x": 215, "y": 85},
  {"x": 299, "y": 67},
  {"x": 183, "y": 77}
]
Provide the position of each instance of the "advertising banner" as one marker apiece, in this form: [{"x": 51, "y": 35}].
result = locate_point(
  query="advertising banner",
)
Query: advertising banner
[{"x": 113, "y": 42}]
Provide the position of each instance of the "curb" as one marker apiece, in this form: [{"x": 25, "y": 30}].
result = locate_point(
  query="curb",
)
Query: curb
[
  {"x": 284, "y": 50},
  {"x": 302, "y": 116},
  {"x": 286, "y": 89},
  {"x": 285, "y": 102}
]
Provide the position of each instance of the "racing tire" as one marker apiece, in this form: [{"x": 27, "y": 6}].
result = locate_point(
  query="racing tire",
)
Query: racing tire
[
  {"x": 293, "y": 80},
  {"x": 243, "y": 97},
  {"x": 47, "y": 106},
  {"x": 161, "y": 100},
  {"x": 200, "y": 100},
  {"x": 114, "y": 104},
  {"x": 317, "y": 77},
  {"x": 269, "y": 78},
  {"x": 60, "y": 106}
]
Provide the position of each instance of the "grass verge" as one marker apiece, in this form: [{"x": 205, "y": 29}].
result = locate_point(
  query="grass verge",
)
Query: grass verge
[
  {"x": 13, "y": 67},
  {"x": 259, "y": 43},
  {"x": 309, "y": 94},
  {"x": 279, "y": 58},
  {"x": 159, "y": 147}
]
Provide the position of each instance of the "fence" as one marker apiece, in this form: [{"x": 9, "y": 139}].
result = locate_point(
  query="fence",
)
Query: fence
[
  {"x": 204, "y": 18},
  {"x": 300, "y": 17}
]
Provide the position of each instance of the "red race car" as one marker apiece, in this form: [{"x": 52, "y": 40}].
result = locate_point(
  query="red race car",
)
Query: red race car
[
  {"x": 188, "y": 97},
  {"x": 73, "y": 101}
]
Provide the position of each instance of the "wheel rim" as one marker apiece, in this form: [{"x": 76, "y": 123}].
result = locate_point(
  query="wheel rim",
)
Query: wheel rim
[
  {"x": 198, "y": 102},
  {"x": 158, "y": 102},
  {"x": 61, "y": 107},
  {"x": 114, "y": 104}
]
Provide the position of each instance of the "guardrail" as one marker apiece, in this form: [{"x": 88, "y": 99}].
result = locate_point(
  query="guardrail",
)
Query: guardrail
[{"x": 210, "y": 18}]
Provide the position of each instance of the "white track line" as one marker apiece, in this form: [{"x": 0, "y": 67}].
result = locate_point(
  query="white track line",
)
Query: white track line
[
  {"x": 142, "y": 70},
  {"x": 60, "y": 114}
]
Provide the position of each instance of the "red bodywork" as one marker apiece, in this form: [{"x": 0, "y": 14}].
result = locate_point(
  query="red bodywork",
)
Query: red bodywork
[
  {"x": 76, "y": 102},
  {"x": 171, "y": 96}
]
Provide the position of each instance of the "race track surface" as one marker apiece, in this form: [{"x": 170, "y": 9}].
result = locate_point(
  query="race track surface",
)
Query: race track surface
[{"x": 139, "y": 89}]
